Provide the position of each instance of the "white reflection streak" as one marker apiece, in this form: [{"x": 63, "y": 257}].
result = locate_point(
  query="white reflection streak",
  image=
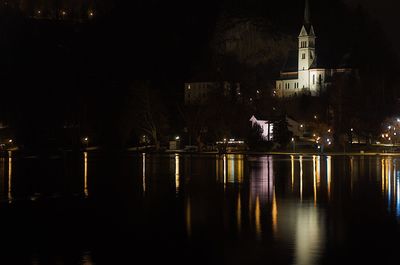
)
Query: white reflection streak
[
  {"x": 390, "y": 184},
  {"x": 309, "y": 235},
  {"x": 292, "y": 162},
  {"x": 9, "y": 195},
  {"x": 85, "y": 181},
  {"x": 144, "y": 172},
  {"x": 314, "y": 180},
  {"x": 224, "y": 166},
  {"x": 177, "y": 184},
  {"x": 398, "y": 197},
  {"x": 383, "y": 176},
  {"x": 328, "y": 174},
  {"x": 301, "y": 177}
]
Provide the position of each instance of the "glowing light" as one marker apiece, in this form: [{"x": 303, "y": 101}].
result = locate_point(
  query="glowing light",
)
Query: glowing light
[
  {"x": 10, "y": 141},
  {"x": 292, "y": 139},
  {"x": 351, "y": 129},
  {"x": 39, "y": 12},
  {"x": 177, "y": 138},
  {"x": 329, "y": 130},
  {"x": 301, "y": 125},
  {"x": 389, "y": 127}
]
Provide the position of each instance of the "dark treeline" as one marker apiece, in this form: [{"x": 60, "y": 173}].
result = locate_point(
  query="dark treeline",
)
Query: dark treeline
[{"x": 62, "y": 80}]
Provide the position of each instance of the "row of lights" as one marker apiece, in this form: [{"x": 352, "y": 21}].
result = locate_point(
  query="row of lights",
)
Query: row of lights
[{"x": 64, "y": 13}]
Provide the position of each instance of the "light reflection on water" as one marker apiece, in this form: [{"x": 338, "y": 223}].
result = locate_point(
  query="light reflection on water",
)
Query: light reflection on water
[
  {"x": 300, "y": 208},
  {"x": 390, "y": 184}
]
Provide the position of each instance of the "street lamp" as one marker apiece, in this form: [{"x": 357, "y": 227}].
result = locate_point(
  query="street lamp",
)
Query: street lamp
[{"x": 86, "y": 140}]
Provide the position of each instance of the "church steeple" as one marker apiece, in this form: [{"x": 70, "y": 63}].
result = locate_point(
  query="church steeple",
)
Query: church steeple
[
  {"x": 307, "y": 18},
  {"x": 307, "y": 56}
]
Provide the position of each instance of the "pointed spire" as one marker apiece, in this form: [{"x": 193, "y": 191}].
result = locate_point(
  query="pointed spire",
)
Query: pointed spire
[{"x": 307, "y": 19}]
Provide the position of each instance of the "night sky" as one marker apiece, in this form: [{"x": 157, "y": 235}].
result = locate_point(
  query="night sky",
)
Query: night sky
[{"x": 387, "y": 13}]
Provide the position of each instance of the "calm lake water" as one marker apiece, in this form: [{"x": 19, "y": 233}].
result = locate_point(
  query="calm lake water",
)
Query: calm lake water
[{"x": 191, "y": 209}]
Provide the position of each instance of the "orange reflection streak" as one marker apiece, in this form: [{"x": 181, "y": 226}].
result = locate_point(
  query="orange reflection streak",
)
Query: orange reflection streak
[
  {"x": 274, "y": 214},
  {"x": 85, "y": 181},
  {"x": 9, "y": 195},
  {"x": 240, "y": 168},
  {"x": 239, "y": 213},
  {"x": 258, "y": 218},
  {"x": 188, "y": 218}
]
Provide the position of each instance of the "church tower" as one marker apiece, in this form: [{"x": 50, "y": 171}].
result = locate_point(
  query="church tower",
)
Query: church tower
[{"x": 307, "y": 54}]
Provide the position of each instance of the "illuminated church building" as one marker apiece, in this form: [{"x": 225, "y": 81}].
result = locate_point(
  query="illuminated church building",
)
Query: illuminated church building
[{"x": 305, "y": 74}]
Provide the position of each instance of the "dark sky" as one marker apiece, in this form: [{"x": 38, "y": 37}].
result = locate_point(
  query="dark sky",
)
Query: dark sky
[{"x": 387, "y": 13}]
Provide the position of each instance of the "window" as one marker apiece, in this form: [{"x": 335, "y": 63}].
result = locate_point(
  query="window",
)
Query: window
[
  {"x": 311, "y": 55},
  {"x": 303, "y": 56},
  {"x": 313, "y": 79}
]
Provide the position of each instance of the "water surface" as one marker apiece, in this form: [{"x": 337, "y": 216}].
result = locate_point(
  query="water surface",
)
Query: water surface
[{"x": 194, "y": 209}]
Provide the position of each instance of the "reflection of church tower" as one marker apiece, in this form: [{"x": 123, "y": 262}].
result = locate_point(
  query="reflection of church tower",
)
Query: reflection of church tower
[{"x": 306, "y": 55}]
